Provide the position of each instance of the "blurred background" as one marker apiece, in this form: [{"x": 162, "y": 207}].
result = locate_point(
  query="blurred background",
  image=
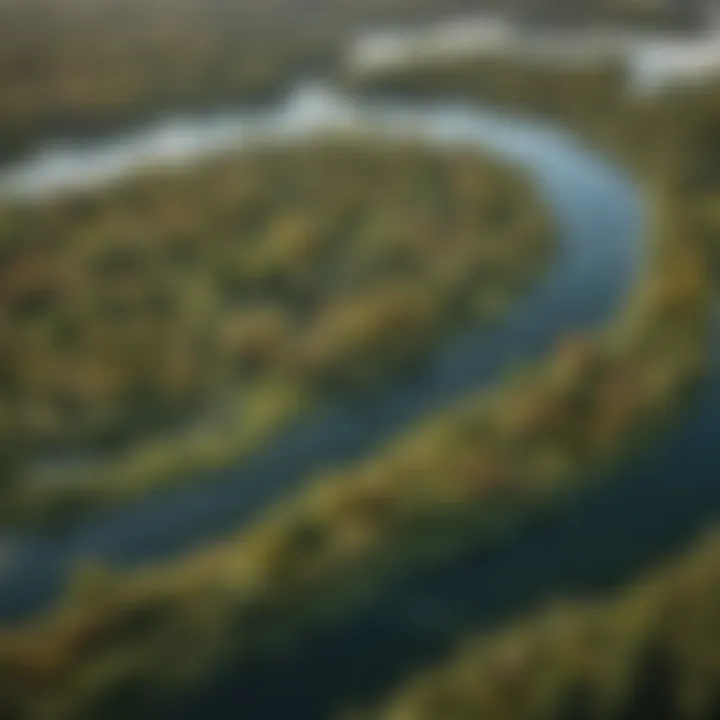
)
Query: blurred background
[{"x": 359, "y": 359}]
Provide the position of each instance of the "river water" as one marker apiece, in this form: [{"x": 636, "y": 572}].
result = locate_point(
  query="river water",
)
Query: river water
[
  {"x": 650, "y": 508},
  {"x": 601, "y": 225}
]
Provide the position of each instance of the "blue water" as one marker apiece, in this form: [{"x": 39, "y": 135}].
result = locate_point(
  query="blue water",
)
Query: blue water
[
  {"x": 660, "y": 503},
  {"x": 600, "y": 217},
  {"x": 650, "y": 508}
]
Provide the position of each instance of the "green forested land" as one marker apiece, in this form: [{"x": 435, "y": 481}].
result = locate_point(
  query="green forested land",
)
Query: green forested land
[
  {"x": 167, "y": 324},
  {"x": 113, "y": 645},
  {"x": 651, "y": 653},
  {"x": 670, "y": 138},
  {"x": 477, "y": 470}
]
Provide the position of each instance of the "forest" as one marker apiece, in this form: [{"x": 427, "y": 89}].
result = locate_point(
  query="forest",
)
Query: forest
[
  {"x": 172, "y": 323},
  {"x": 180, "y": 319},
  {"x": 483, "y": 468}
]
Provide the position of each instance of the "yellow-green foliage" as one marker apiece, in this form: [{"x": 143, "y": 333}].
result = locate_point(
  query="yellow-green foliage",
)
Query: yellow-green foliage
[
  {"x": 470, "y": 473},
  {"x": 670, "y": 137},
  {"x": 90, "y": 77},
  {"x": 587, "y": 94},
  {"x": 178, "y": 318}
]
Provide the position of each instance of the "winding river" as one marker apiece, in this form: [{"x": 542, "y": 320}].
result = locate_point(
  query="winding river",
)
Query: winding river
[
  {"x": 658, "y": 505},
  {"x": 651, "y": 507},
  {"x": 600, "y": 218}
]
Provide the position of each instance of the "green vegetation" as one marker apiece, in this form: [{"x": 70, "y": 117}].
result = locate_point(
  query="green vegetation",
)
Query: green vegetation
[
  {"x": 669, "y": 138},
  {"x": 589, "y": 96},
  {"x": 117, "y": 644},
  {"x": 78, "y": 80},
  {"x": 577, "y": 91},
  {"x": 653, "y": 652},
  {"x": 171, "y": 323},
  {"x": 73, "y": 67},
  {"x": 470, "y": 474}
]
